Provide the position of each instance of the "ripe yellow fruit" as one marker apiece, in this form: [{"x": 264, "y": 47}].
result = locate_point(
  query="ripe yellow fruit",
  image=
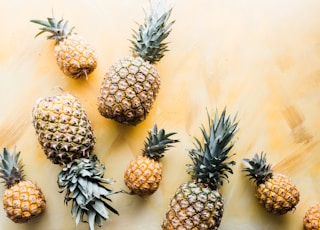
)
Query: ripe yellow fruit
[
  {"x": 198, "y": 204},
  {"x": 63, "y": 129},
  {"x": 144, "y": 173},
  {"x": 194, "y": 206},
  {"x": 129, "y": 90},
  {"x": 278, "y": 194},
  {"x": 22, "y": 200},
  {"x": 311, "y": 220},
  {"x": 130, "y": 87},
  {"x": 275, "y": 192},
  {"x": 75, "y": 56}
]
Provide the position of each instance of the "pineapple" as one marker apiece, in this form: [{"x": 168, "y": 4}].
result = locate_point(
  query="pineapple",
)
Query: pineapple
[
  {"x": 82, "y": 180},
  {"x": 22, "y": 200},
  {"x": 144, "y": 173},
  {"x": 74, "y": 55},
  {"x": 311, "y": 220},
  {"x": 63, "y": 129},
  {"x": 131, "y": 85},
  {"x": 275, "y": 192},
  {"x": 198, "y": 204}
]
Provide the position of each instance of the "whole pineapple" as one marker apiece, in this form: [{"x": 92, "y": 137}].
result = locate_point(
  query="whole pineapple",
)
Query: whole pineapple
[
  {"x": 83, "y": 183},
  {"x": 274, "y": 191},
  {"x": 311, "y": 220},
  {"x": 63, "y": 129},
  {"x": 144, "y": 173},
  {"x": 74, "y": 55},
  {"x": 198, "y": 204},
  {"x": 22, "y": 200},
  {"x": 131, "y": 85}
]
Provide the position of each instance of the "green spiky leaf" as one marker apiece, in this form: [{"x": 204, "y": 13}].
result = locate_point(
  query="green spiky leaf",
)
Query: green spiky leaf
[
  {"x": 257, "y": 168},
  {"x": 87, "y": 190},
  {"x": 11, "y": 167},
  {"x": 157, "y": 142},
  {"x": 211, "y": 159},
  {"x": 148, "y": 42},
  {"x": 58, "y": 30}
]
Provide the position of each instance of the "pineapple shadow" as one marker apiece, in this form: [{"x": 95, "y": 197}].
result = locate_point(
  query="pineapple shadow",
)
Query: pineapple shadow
[
  {"x": 133, "y": 202},
  {"x": 36, "y": 223},
  {"x": 276, "y": 220}
]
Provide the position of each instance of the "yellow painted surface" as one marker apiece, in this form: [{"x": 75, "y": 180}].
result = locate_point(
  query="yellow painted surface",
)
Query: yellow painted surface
[{"x": 260, "y": 59}]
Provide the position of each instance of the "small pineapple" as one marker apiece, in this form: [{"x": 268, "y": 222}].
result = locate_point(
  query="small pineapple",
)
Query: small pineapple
[
  {"x": 74, "y": 55},
  {"x": 274, "y": 191},
  {"x": 82, "y": 180},
  {"x": 63, "y": 129},
  {"x": 311, "y": 220},
  {"x": 198, "y": 204},
  {"x": 22, "y": 200},
  {"x": 144, "y": 173},
  {"x": 131, "y": 85}
]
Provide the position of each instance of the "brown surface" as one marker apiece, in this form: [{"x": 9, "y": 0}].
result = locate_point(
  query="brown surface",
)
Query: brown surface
[{"x": 260, "y": 59}]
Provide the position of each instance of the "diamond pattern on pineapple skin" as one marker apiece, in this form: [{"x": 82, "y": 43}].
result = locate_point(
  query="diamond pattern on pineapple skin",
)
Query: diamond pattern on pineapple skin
[
  {"x": 68, "y": 132},
  {"x": 278, "y": 195},
  {"x": 75, "y": 56},
  {"x": 23, "y": 201},
  {"x": 133, "y": 77}
]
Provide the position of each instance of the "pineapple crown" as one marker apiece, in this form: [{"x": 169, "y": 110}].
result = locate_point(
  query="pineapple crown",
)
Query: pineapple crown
[
  {"x": 210, "y": 165},
  {"x": 157, "y": 143},
  {"x": 257, "y": 168},
  {"x": 59, "y": 30},
  {"x": 11, "y": 168},
  {"x": 148, "y": 40},
  {"x": 83, "y": 181}
]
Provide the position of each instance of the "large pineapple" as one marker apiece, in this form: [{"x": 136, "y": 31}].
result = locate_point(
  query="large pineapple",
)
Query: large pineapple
[
  {"x": 198, "y": 204},
  {"x": 131, "y": 85},
  {"x": 144, "y": 173},
  {"x": 74, "y": 55},
  {"x": 275, "y": 191},
  {"x": 311, "y": 220},
  {"x": 23, "y": 200},
  {"x": 83, "y": 183},
  {"x": 63, "y": 129}
]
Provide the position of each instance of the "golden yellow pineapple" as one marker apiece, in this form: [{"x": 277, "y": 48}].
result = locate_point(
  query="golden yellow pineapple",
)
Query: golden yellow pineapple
[
  {"x": 131, "y": 85},
  {"x": 275, "y": 191},
  {"x": 144, "y": 173},
  {"x": 311, "y": 220},
  {"x": 22, "y": 200},
  {"x": 75, "y": 56},
  {"x": 63, "y": 129},
  {"x": 198, "y": 204}
]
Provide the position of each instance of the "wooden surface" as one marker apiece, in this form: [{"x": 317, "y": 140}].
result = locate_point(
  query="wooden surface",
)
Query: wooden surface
[{"x": 260, "y": 59}]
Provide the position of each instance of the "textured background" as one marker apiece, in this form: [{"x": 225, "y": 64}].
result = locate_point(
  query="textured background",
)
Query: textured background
[{"x": 260, "y": 59}]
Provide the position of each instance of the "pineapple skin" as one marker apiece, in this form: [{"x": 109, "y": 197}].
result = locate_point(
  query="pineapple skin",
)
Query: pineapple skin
[
  {"x": 311, "y": 220},
  {"x": 143, "y": 175},
  {"x": 75, "y": 56},
  {"x": 194, "y": 206},
  {"x": 278, "y": 194},
  {"x": 128, "y": 90},
  {"x": 63, "y": 129},
  {"x": 23, "y": 201}
]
